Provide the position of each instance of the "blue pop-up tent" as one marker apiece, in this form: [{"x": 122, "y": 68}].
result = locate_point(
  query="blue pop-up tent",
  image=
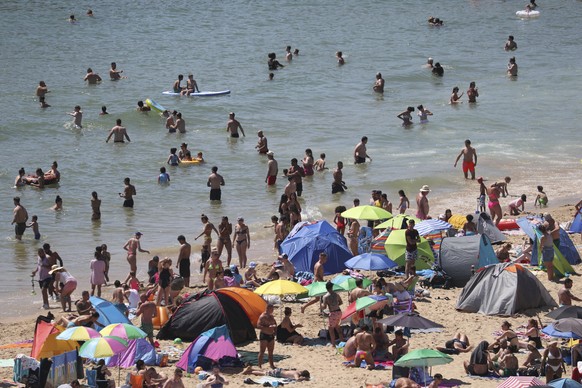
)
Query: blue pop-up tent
[
  {"x": 212, "y": 346},
  {"x": 108, "y": 313},
  {"x": 304, "y": 247}
]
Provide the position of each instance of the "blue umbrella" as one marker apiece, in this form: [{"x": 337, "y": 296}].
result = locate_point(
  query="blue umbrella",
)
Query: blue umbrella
[
  {"x": 340, "y": 279},
  {"x": 370, "y": 262},
  {"x": 431, "y": 225},
  {"x": 564, "y": 383},
  {"x": 553, "y": 332}
]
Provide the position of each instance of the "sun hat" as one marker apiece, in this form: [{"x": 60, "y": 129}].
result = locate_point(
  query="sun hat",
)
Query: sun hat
[
  {"x": 532, "y": 344},
  {"x": 252, "y": 264},
  {"x": 425, "y": 189},
  {"x": 54, "y": 269}
]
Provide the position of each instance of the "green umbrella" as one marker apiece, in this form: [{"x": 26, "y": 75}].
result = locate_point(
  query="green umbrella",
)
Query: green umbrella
[
  {"x": 367, "y": 212},
  {"x": 350, "y": 283},
  {"x": 318, "y": 288},
  {"x": 423, "y": 358},
  {"x": 397, "y": 222},
  {"x": 396, "y": 249}
]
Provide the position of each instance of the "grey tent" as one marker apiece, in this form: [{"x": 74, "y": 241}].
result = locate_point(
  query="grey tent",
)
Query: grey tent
[
  {"x": 458, "y": 254},
  {"x": 487, "y": 227},
  {"x": 504, "y": 289}
]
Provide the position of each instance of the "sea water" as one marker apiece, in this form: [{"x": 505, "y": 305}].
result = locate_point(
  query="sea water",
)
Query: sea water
[{"x": 526, "y": 127}]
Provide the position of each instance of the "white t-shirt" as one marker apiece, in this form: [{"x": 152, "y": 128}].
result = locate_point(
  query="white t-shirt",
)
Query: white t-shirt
[{"x": 133, "y": 298}]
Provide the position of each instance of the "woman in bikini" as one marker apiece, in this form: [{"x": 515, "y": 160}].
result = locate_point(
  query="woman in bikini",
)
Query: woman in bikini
[
  {"x": 283, "y": 207},
  {"x": 211, "y": 268},
  {"x": 293, "y": 201},
  {"x": 224, "y": 232},
  {"x": 533, "y": 334},
  {"x": 308, "y": 162},
  {"x": 553, "y": 362},
  {"x": 207, "y": 233},
  {"x": 242, "y": 238},
  {"x": 509, "y": 335},
  {"x": 494, "y": 206}
]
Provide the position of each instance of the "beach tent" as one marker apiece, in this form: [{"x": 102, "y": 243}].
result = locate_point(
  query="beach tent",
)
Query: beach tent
[
  {"x": 487, "y": 227},
  {"x": 458, "y": 254},
  {"x": 45, "y": 343},
  {"x": 209, "y": 309},
  {"x": 108, "y": 313},
  {"x": 503, "y": 289},
  {"x": 138, "y": 349},
  {"x": 308, "y": 242},
  {"x": 567, "y": 248},
  {"x": 213, "y": 345},
  {"x": 576, "y": 226}
]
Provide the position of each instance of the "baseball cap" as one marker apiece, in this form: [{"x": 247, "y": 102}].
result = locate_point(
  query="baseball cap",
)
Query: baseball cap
[{"x": 252, "y": 264}]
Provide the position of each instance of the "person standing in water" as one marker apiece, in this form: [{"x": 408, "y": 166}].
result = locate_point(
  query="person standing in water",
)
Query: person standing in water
[
  {"x": 512, "y": 67},
  {"x": 423, "y": 114},
  {"x": 272, "y": 169},
  {"x": 360, "y": 152},
  {"x": 340, "y": 58},
  {"x": 114, "y": 74},
  {"x": 469, "y": 155},
  {"x": 20, "y": 218},
  {"x": 261, "y": 146},
  {"x": 41, "y": 92},
  {"x": 215, "y": 181},
  {"x": 510, "y": 45},
  {"x": 406, "y": 116},
  {"x": 379, "y": 84},
  {"x": 233, "y": 125},
  {"x": 119, "y": 133},
  {"x": 338, "y": 185},
  {"x": 95, "y": 206},
  {"x": 128, "y": 193},
  {"x": 77, "y": 117},
  {"x": 92, "y": 78},
  {"x": 472, "y": 92}
]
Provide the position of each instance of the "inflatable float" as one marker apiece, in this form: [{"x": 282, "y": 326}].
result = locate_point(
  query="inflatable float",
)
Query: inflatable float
[
  {"x": 154, "y": 105},
  {"x": 508, "y": 224},
  {"x": 161, "y": 317},
  {"x": 527, "y": 14},
  {"x": 198, "y": 94},
  {"x": 189, "y": 162}
]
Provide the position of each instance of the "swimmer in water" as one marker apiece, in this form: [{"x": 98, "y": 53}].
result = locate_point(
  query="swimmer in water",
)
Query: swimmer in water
[
  {"x": 379, "y": 84},
  {"x": 271, "y": 76},
  {"x": 512, "y": 67},
  {"x": 115, "y": 74},
  {"x": 438, "y": 70},
  {"x": 233, "y": 125},
  {"x": 103, "y": 111},
  {"x": 72, "y": 19},
  {"x": 455, "y": 97},
  {"x": 41, "y": 91},
  {"x": 142, "y": 108},
  {"x": 89, "y": 12},
  {"x": 423, "y": 114},
  {"x": 288, "y": 54},
  {"x": 472, "y": 92},
  {"x": 406, "y": 116},
  {"x": 273, "y": 63},
  {"x": 91, "y": 77},
  {"x": 510, "y": 45},
  {"x": 340, "y": 58},
  {"x": 429, "y": 63},
  {"x": 77, "y": 116}
]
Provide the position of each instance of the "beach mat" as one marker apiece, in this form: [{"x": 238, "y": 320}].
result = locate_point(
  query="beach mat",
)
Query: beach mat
[
  {"x": 489, "y": 376},
  {"x": 23, "y": 344},
  {"x": 380, "y": 365}
]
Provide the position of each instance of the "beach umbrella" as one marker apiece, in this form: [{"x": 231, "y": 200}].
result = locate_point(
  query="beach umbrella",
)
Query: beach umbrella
[
  {"x": 553, "y": 332},
  {"x": 319, "y": 288},
  {"x": 423, "y": 358},
  {"x": 396, "y": 248},
  {"x": 378, "y": 244},
  {"x": 432, "y": 225},
  {"x": 338, "y": 279},
  {"x": 397, "y": 222},
  {"x": 410, "y": 320},
  {"x": 102, "y": 347},
  {"x": 367, "y": 212},
  {"x": 281, "y": 287},
  {"x": 520, "y": 382},
  {"x": 79, "y": 333},
  {"x": 123, "y": 330},
  {"x": 564, "y": 383},
  {"x": 573, "y": 325},
  {"x": 373, "y": 302},
  {"x": 370, "y": 262},
  {"x": 350, "y": 284},
  {"x": 565, "y": 312}
]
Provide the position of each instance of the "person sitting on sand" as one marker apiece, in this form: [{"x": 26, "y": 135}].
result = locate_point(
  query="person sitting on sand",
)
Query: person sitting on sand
[
  {"x": 278, "y": 373},
  {"x": 516, "y": 204},
  {"x": 532, "y": 361},
  {"x": 350, "y": 349},
  {"x": 154, "y": 379},
  {"x": 533, "y": 334},
  {"x": 382, "y": 342},
  {"x": 365, "y": 345},
  {"x": 399, "y": 345},
  {"x": 541, "y": 198},
  {"x": 214, "y": 379},
  {"x": 459, "y": 344},
  {"x": 508, "y": 364},
  {"x": 436, "y": 383},
  {"x": 286, "y": 330},
  {"x": 479, "y": 361},
  {"x": 469, "y": 228},
  {"x": 509, "y": 335},
  {"x": 503, "y": 253},
  {"x": 251, "y": 279},
  {"x": 102, "y": 375}
]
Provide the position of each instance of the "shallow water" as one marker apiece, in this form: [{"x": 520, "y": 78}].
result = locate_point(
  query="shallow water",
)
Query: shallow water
[{"x": 526, "y": 128}]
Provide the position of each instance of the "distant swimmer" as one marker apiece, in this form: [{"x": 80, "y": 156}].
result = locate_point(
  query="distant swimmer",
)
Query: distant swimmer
[
  {"x": 469, "y": 155},
  {"x": 296, "y": 52},
  {"x": 472, "y": 92},
  {"x": 406, "y": 116},
  {"x": 58, "y": 203},
  {"x": 215, "y": 181},
  {"x": 438, "y": 70},
  {"x": 180, "y": 125},
  {"x": 103, "y": 111},
  {"x": 128, "y": 193},
  {"x": 164, "y": 177},
  {"x": 379, "y": 84},
  {"x": 429, "y": 63},
  {"x": 92, "y": 78},
  {"x": 232, "y": 126},
  {"x": 435, "y": 22},
  {"x": 177, "y": 88},
  {"x": 455, "y": 97},
  {"x": 77, "y": 117},
  {"x": 272, "y": 169},
  {"x": 319, "y": 164},
  {"x": 141, "y": 107},
  {"x": 532, "y": 4},
  {"x": 273, "y": 63},
  {"x": 288, "y": 54},
  {"x": 423, "y": 114},
  {"x": 261, "y": 146},
  {"x": 115, "y": 74},
  {"x": 119, "y": 133},
  {"x": 512, "y": 67},
  {"x": 72, "y": 19},
  {"x": 360, "y": 152},
  {"x": 271, "y": 76},
  {"x": 191, "y": 86},
  {"x": 20, "y": 181},
  {"x": 89, "y": 12},
  {"x": 510, "y": 45},
  {"x": 95, "y": 206},
  {"x": 340, "y": 58},
  {"x": 338, "y": 185},
  {"x": 41, "y": 91}
]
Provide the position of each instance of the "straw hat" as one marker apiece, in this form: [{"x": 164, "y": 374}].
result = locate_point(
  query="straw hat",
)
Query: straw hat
[
  {"x": 553, "y": 343},
  {"x": 54, "y": 269},
  {"x": 532, "y": 344},
  {"x": 425, "y": 189}
]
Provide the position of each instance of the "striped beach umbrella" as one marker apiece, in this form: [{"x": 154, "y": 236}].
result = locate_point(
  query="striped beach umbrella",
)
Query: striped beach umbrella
[
  {"x": 79, "y": 333},
  {"x": 102, "y": 347},
  {"x": 378, "y": 245},
  {"x": 520, "y": 382},
  {"x": 123, "y": 330},
  {"x": 432, "y": 225}
]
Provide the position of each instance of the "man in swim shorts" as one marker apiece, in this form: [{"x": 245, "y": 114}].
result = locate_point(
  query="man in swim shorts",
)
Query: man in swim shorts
[
  {"x": 360, "y": 152},
  {"x": 469, "y": 155},
  {"x": 215, "y": 180},
  {"x": 338, "y": 185},
  {"x": 261, "y": 146},
  {"x": 114, "y": 74},
  {"x": 118, "y": 132},
  {"x": 20, "y": 218},
  {"x": 365, "y": 345},
  {"x": 128, "y": 193},
  {"x": 233, "y": 125},
  {"x": 147, "y": 310},
  {"x": 267, "y": 326},
  {"x": 272, "y": 169},
  {"x": 183, "y": 263}
]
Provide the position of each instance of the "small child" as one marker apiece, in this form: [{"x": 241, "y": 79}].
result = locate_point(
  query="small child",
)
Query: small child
[
  {"x": 34, "y": 225},
  {"x": 339, "y": 221},
  {"x": 470, "y": 228},
  {"x": 200, "y": 157},
  {"x": 164, "y": 177},
  {"x": 77, "y": 117},
  {"x": 58, "y": 203},
  {"x": 541, "y": 198},
  {"x": 514, "y": 205},
  {"x": 133, "y": 281},
  {"x": 503, "y": 186},
  {"x": 319, "y": 164},
  {"x": 482, "y": 195},
  {"x": 173, "y": 159},
  {"x": 250, "y": 278},
  {"x": 404, "y": 203}
]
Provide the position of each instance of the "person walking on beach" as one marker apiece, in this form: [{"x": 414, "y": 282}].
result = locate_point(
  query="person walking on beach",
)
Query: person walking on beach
[
  {"x": 233, "y": 125},
  {"x": 412, "y": 240},
  {"x": 494, "y": 193},
  {"x": 360, "y": 152},
  {"x": 215, "y": 180},
  {"x": 20, "y": 218},
  {"x": 183, "y": 263},
  {"x": 132, "y": 246},
  {"x": 379, "y": 84},
  {"x": 272, "y": 169},
  {"x": 267, "y": 326},
  {"x": 128, "y": 193},
  {"x": 261, "y": 146},
  {"x": 422, "y": 203},
  {"x": 207, "y": 233},
  {"x": 92, "y": 78},
  {"x": 147, "y": 309},
  {"x": 472, "y": 92},
  {"x": 338, "y": 185},
  {"x": 318, "y": 272},
  {"x": 118, "y": 132},
  {"x": 224, "y": 233},
  {"x": 332, "y": 301},
  {"x": 469, "y": 155},
  {"x": 44, "y": 278},
  {"x": 242, "y": 237}
]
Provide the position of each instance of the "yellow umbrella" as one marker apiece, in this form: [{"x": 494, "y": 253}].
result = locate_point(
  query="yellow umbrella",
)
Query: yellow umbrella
[
  {"x": 397, "y": 222},
  {"x": 367, "y": 212},
  {"x": 281, "y": 287}
]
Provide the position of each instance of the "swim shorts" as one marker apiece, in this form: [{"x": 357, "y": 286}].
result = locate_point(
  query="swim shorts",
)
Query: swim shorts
[
  {"x": 274, "y": 372},
  {"x": 411, "y": 256},
  {"x": 359, "y": 160},
  {"x": 148, "y": 328},
  {"x": 266, "y": 337},
  {"x": 271, "y": 179},
  {"x": 547, "y": 254},
  {"x": 45, "y": 283},
  {"x": 235, "y": 135},
  {"x": 336, "y": 188},
  {"x": 299, "y": 188},
  {"x": 185, "y": 268},
  {"x": 334, "y": 318},
  {"x": 468, "y": 166},
  {"x": 215, "y": 194},
  {"x": 19, "y": 228},
  {"x": 128, "y": 203}
]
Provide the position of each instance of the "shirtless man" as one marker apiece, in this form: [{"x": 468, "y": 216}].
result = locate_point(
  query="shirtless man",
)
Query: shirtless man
[
  {"x": 41, "y": 91},
  {"x": 358, "y": 292},
  {"x": 176, "y": 381},
  {"x": 20, "y": 218},
  {"x": 118, "y": 132},
  {"x": 184, "y": 153},
  {"x": 147, "y": 309},
  {"x": 296, "y": 173},
  {"x": 365, "y": 345},
  {"x": 92, "y": 78},
  {"x": 338, "y": 185},
  {"x": 281, "y": 230},
  {"x": 177, "y": 88},
  {"x": 319, "y": 164},
  {"x": 215, "y": 180},
  {"x": 141, "y": 107},
  {"x": 318, "y": 272},
  {"x": 128, "y": 193},
  {"x": 472, "y": 92},
  {"x": 132, "y": 246},
  {"x": 379, "y": 84},
  {"x": 400, "y": 345},
  {"x": 565, "y": 296},
  {"x": 84, "y": 305},
  {"x": 360, "y": 153},
  {"x": 183, "y": 263},
  {"x": 191, "y": 86},
  {"x": 180, "y": 124},
  {"x": 77, "y": 116},
  {"x": 118, "y": 297},
  {"x": 422, "y": 203},
  {"x": 233, "y": 125},
  {"x": 510, "y": 45},
  {"x": 114, "y": 74},
  {"x": 288, "y": 54},
  {"x": 268, "y": 326},
  {"x": 469, "y": 155},
  {"x": 261, "y": 146},
  {"x": 272, "y": 169}
]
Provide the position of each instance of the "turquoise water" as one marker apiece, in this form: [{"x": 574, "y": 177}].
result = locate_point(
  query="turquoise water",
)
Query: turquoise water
[{"x": 526, "y": 128}]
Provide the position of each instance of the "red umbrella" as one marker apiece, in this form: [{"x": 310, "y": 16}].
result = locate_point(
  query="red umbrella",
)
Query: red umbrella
[{"x": 372, "y": 302}]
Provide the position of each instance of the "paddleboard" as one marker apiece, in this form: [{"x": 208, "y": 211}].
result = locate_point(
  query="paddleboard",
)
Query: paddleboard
[
  {"x": 526, "y": 14},
  {"x": 199, "y": 94},
  {"x": 154, "y": 105}
]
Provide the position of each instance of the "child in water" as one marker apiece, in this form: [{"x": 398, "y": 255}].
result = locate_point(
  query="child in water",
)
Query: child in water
[
  {"x": 320, "y": 163},
  {"x": 173, "y": 159},
  {"x": 404, "y": 203},
  {"x": 339, "y": 221},
  {"x": 541, "y": 198},
  {"x": 164, "y": 177},
  {"x": 34, "y": 225}
]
